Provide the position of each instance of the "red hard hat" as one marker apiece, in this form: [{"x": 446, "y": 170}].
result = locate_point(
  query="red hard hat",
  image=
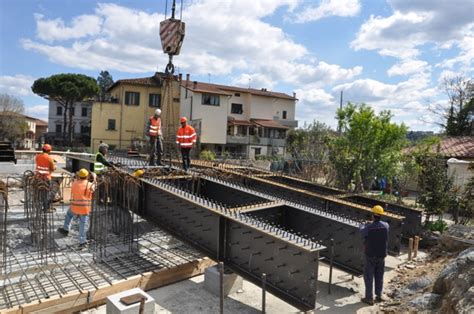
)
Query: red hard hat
[
  {"x": 47, "y": 147},
  {"x": 183, "y": 119}
]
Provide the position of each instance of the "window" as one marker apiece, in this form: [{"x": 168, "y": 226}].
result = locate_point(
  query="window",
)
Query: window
[
  {"x": 85, "y": 129},
  {"x": 59, "y": 127},
  {"x": 73, "y": 110},
  {"x": 236, "y": 108},
  {"x": 111, "y": 125},
  {"x": 132, "y": 98},
  {"x": 154, "y": 100},
  {"x": 211, "y": 100},
  {"x": 258, "y": 151},
  {"x": 175, "y": 99},
  {"x": 84, "y": 112},
  {"x": 283, "y": 114},
  {"x": 237, "y": 94},
  {"x": 59, "y": 111}
]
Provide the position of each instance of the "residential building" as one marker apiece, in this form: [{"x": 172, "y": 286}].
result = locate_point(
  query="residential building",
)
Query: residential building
[
  {"x": 458, "y": 152},
  {"x": 33, "y": 130},
  {"x": 245, "y": 122},
  {"x": 121, "y": 122},
  {"x": 81, "y": 123}
]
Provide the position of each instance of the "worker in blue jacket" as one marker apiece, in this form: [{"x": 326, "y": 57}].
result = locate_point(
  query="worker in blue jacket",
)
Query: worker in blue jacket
[{"x": 375, "y": 236}]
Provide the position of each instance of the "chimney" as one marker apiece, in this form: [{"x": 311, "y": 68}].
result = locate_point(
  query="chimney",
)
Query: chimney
[
  {"x": 180, "y": 77},
  {"x": 195, "y": 84},
  {"x": 187, "y": 78},
  {"x": 294, "y": 95}
]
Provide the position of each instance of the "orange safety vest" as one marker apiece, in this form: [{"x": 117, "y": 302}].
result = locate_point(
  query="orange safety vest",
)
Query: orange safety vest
[
  {"x": 186, "y": 136},
  {"x": 44, "y": 165},
  {"x": 81, "y": 197},
  {"x": 155, "y": 126}
]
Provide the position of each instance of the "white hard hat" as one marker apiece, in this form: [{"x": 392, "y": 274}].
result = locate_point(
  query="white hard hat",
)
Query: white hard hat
[{"x": 158, "y": 112}]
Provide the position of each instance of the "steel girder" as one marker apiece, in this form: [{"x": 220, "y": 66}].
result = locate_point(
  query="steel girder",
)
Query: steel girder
[
  {"x": 309, "y": 221},
  {"x": 248, "y": 246},
  {"x": 331, "y": 205},
  {"x": 412, "y": 225}
]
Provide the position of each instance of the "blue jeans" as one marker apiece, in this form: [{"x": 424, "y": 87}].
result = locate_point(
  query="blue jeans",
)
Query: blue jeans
[
  {"x": 83, "y": 224},
  {"x": 374, "y": 269}
]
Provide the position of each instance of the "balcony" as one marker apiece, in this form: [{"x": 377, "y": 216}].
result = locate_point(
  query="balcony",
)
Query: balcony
[
  {"x": 267, "y": 141},
  {"x": 238, "y": 139},
  {"x": 288, "y": 123}
]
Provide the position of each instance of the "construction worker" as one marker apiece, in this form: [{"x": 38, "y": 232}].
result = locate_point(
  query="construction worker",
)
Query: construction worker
[
  {"x": 101, "y": 162},
  {"x": 138, "y": 173},
  {"x": 81, "y": 203},
  {"x": 185, "y": 138},
  {"x": 44, "y": 163},
  {"x": 375, "y": 236},
  {"x": 156, "y": 141}
]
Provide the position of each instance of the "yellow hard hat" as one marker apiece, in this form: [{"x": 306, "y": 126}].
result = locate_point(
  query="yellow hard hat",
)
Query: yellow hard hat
[
  {"x": 377, "y": 210},
  {"x": 138, "y": 173},
  {"x": 83, "y": 173}
]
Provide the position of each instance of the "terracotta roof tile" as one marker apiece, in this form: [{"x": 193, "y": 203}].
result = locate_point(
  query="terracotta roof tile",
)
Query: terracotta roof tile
[
  {"x": 458, "y": 147},
  {"x": 155, "y": 80},
  {"x": 269, "y": 124},
  {"x": 226, "y": 90}
]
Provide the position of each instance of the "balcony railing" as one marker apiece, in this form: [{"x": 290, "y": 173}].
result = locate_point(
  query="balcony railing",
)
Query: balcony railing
[
  {"x": 237, "y": 139},
  {"x": 288, "y": 123}
]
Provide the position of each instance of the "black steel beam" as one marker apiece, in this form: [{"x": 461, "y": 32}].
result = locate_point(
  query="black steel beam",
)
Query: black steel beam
[
  {"x": 412, "y": 225},
  {"x": 248, "y": 246}
]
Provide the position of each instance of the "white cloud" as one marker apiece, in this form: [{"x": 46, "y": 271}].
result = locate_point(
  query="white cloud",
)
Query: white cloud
[
  {"x": 18, "y": 85},
  {"x": 407, "y": 67},
  {"x": 326, "y": 8},
  {"x": 81, "y": 26},
  {"x": 465, "y": 58},
  {"x": 38, "y": 111},
  {"x": 415, "y": 23}
]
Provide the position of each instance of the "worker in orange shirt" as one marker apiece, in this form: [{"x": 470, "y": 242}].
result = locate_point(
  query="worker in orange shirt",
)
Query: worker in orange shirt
[
  {"x": 44, "y": 163},
  {"x": 186, "y": 138},
  {"x": 156, "y": 141},
  {"x": 82, "y": 191}
]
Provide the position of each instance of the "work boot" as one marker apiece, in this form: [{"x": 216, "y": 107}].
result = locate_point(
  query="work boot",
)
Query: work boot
[
  {"x": 63, "y": 231},
  {"x": 82, "y": 245},
  {"x": 368, "y": 301},
  {"x": 379, "y": 299}
]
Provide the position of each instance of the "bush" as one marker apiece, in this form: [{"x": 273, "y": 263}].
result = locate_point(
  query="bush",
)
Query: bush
[
  {"x": 438, "y": 225},
  {"x": 207, "y": 155}
]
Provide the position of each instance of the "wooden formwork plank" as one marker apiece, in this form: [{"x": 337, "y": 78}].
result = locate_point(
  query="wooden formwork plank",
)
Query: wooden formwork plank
[
  {"x": 13, "y": 310},
  {"x": 104, "y": 292},
  {"x": 57, "y": 303},
  {"x": 155, "y": 279}
]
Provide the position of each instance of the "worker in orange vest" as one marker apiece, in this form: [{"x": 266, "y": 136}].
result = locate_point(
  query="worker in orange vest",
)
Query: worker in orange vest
[
  {"x": 81, "y": 203},
  {"x": 44, "y": 163},
  {"x": 156, "y": 141},
  {"x": 186, "y": 138}
]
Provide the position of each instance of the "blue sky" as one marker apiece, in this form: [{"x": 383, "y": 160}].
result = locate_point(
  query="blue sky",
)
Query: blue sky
[{"x": 390, "y": 54}]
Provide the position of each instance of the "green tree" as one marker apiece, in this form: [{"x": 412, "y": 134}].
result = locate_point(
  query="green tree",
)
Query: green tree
[
  {"x": 436, "y": 187},
  {"x": 309, "y": 150},
  {"x": 104, "y": 80},
  {"x": 12, "y": 124},
  {"x": 458, "y": 116},
  {"x": 66, "y": 89},
  {"x": 370, "y": 145}
]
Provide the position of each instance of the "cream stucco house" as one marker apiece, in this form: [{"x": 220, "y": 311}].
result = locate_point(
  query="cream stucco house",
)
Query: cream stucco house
[
  {"x": 245, "y": 122},
  {"x": 122, "y": 120}
]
